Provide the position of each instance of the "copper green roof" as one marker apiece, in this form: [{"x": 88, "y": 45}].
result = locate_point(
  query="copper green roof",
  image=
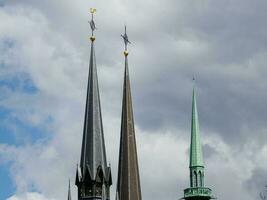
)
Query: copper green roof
[{"x": 196, "y": 157}]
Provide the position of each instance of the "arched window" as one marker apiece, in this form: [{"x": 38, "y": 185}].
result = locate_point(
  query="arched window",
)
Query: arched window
[
  {"x": 99, "y": 182},
  {"x": 200, "y": 179},
  {"x": 195, "y": 179}
]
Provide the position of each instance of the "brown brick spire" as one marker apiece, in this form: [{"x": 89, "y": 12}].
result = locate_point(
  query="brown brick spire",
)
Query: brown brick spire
[{"x": 128, "y": 185}]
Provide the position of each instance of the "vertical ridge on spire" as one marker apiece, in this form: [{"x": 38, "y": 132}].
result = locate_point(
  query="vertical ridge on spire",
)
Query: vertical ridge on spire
[
  {"x": 128, "y": 184},
  {"x": 93, "y": 176},
  {"x": 69, "y": 192}
]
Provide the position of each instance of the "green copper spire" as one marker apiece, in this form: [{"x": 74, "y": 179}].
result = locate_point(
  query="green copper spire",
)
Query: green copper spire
[
  {"x": 196, "y": 157},
  {"x": 197, "y": 190}
]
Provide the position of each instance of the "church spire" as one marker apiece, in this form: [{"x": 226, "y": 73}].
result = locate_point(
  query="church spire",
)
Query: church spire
[
  {"x": 196, "y": 157},
  {"x": 128, "y": 184},
  {"x": 197, "y": 190},
  {"x": 69, "y": 192},
  {"x": 93, "y": 176}
]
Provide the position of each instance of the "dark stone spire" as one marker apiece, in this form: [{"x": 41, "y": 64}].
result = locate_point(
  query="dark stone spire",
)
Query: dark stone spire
[
  {"x": 128, "y": 185},
  {"x": 93, "y": 175}
]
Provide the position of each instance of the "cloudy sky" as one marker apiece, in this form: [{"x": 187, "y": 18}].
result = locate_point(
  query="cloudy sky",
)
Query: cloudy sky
[{"x": 44, "y": 51}]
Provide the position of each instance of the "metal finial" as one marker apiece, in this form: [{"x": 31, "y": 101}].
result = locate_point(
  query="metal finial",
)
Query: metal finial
[
  {"x": 92, "y": 23},
  {"x": 126, "y": 41}
]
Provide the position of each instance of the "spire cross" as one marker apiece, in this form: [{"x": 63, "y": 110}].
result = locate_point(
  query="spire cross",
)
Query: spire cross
[
  {"x": 92, "y": 23},
  {"x": 126, "y": 41}
]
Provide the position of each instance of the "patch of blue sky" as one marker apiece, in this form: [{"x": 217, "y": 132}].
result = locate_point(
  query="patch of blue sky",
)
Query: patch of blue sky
[
  {"x": 30, "y": 134},
  {"x": 5, "y": 136},
  {"x": 14, "y": 131},
  {"x": 19, "y": 82},
  {"x": 6, "y": 184},
  {"x": 8, "y": 43},
  {"x": 29, "y": 87}
]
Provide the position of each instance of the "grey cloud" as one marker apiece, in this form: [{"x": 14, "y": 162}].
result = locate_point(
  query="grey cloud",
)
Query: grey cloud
[{"x": 257, "y": 182}]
